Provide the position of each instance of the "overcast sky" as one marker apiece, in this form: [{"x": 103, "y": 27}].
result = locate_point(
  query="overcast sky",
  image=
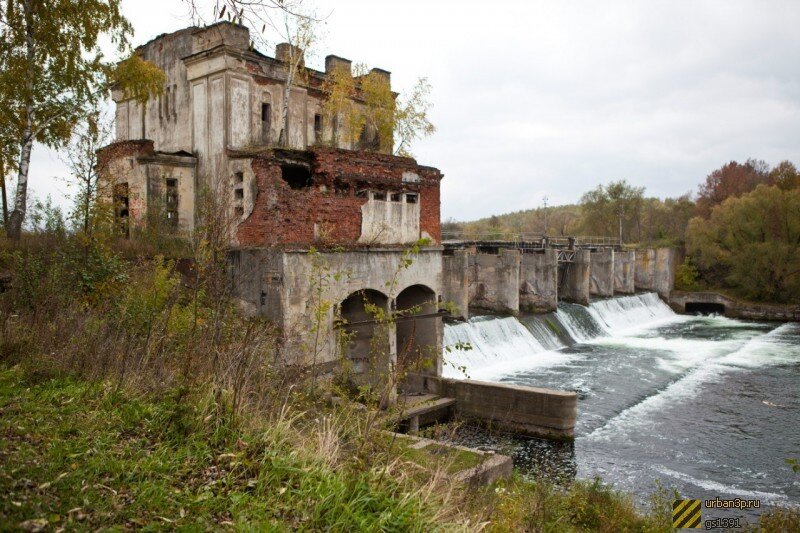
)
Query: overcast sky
[{"x": 535, "y": 99}]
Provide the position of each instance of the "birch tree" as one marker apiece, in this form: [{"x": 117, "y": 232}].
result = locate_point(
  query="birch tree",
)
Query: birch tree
[
  {"x": 363, "y": 100},
  {"x": 298, "y": 30},
  {"x": 53, "y": 70}
]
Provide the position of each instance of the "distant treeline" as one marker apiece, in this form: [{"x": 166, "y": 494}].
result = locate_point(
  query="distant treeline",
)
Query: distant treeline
[{"x": 741, "y": 230}]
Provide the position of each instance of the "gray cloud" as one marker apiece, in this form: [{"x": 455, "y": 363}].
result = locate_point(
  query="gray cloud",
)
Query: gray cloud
[{"x": 552, "y": 98}]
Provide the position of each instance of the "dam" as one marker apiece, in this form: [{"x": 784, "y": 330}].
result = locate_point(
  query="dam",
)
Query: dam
[{"x": 704, "y": 404}]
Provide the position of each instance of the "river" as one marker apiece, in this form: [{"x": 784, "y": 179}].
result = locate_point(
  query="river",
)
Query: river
[{"x": 706, "y": 405}]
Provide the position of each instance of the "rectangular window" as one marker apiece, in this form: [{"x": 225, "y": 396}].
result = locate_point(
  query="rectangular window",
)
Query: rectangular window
[
  {"x": 266, "y": 122},
  {"x": 318, "y": 128},
  {"x": 238, "y": 194},
  {"x": 411, "y": 198},
  {"x": 121, "y": 206},
  {"x": 397, "y": 197},
  {"x": 335, "y": 129},
  {"x": 166, "y": 103},
  {"x": 171, "y": 203},
  {"x": 175, "y": 102},
  {"x": 380, "y": 196}
]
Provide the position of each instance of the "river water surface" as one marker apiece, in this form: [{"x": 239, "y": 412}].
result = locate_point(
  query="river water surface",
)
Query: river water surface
[{"x": 709, "y": 406}]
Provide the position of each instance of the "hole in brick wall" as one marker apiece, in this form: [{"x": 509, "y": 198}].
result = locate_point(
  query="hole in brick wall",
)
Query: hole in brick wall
[
  {"x": 238, "y": 194},
  {"x": 296, "y": 176},
  {"x": 397, "y": 197},
  {"x": 239, "y": 177},
  {"x": 340, "y": 188},
  {"x": 379, "y": 196},
  {"x": 412, "y": 198},
  {"x": 239, "y": 210}
]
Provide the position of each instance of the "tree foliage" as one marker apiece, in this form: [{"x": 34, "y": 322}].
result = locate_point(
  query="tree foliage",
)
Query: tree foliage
[
  {"x": 53, "y": 70},
  {"x": 369, "y": 115},
  {"x": 751, "y": 244},
  {"x": 732, "y": 179},
  {"x": 604, "y": 206}
]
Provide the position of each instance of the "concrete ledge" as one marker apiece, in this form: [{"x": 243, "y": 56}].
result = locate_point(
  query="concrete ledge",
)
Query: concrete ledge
[
  {"x": 529, "y": 411},
  {"x": 736, "y": 308},
  {"x": 494, "y": 466}
]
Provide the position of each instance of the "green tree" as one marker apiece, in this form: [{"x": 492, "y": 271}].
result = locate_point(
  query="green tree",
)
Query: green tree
[
  {"x": 751, "y": 244},
  {"x": 53, "y": 70},
  {"x": 614, "y": 209}
]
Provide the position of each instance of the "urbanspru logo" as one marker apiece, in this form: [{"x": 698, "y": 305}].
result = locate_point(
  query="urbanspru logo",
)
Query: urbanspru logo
[{"x": 686, "y": 514}]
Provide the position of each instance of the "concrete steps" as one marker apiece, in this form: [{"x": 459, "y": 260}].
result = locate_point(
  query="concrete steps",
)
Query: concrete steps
[{"x": 424, "y": 409}]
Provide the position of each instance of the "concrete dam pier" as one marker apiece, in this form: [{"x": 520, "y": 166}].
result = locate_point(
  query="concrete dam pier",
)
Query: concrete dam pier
[{"x": 513, "y": 280}]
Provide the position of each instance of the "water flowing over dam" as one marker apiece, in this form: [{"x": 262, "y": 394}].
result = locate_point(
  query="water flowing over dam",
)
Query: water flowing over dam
[{"x": 706, "y": 404}]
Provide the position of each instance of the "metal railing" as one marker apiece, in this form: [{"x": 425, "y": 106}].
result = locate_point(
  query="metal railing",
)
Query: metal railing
[{"x": 518, "y": 239}]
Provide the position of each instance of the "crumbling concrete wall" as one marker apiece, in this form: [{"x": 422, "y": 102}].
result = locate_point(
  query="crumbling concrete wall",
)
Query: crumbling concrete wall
[
  {"x": 664, "y": 272},
  {"x": 601, "y": 273},
  {"x": 644, "y": 275},
  {"x": 494, "y": 281},
  {"x": 390, "y": 219},
  {"x": 281, "y": 285},
  {"x": 538, "y": 292},
  {"x": 574, "y": 287},
  {"x": 455, "y": 281},
  {"x": 157, "y": 184},
  {"x": 528, "y": 410},
  {"x": 624, "y": 266}
]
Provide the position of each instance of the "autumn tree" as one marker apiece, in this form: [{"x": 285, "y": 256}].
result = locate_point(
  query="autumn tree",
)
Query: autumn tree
[
  {"x": 53, "y": 70},
  {"x": 785, "y": 176},
  {"x": 733, "y": 179},
  {"x": 372, "y": 116},
  {"x": 751, "y": 244}
]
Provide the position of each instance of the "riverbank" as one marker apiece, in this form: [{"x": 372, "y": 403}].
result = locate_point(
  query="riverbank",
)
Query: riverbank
[
  {"x": 81, "y": 455},
  {"x": 710, "y": 301}
]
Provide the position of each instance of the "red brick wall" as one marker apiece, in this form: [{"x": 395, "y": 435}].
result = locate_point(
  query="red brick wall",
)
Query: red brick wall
[
  {"x": 123, "y": 149},
  {"x": 284, "y": 216}
]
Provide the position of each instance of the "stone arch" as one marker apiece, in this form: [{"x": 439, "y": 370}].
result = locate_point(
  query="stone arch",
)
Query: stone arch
[
  {"x": 364, "y": 338},
  {"x": 418, "y": 329}
]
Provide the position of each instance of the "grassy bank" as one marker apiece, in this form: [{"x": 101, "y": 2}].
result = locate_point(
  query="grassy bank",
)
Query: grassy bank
[{"x": 85, "y": 456}]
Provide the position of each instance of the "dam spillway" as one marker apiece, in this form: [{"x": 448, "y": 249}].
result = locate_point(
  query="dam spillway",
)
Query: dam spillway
[{"x": 705, "y": 404}]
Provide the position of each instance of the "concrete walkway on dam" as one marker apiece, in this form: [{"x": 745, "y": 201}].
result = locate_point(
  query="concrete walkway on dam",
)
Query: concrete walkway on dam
[{"x": 515, "y": 280}]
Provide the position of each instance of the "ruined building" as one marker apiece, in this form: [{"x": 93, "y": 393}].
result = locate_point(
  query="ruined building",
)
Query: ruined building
[{"x": 214, "y": 131}]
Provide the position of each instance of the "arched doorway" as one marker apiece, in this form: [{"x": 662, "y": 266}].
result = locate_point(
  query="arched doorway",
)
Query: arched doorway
[
  {"x": 418, "y": 330},
  {"x": 365, "y": 335}
]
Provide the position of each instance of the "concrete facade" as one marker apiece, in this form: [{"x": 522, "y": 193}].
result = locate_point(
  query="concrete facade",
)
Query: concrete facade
[
  {"x": 575, "y": 278},
  {"x": 455, "y": 281},
  {"x": 538, "y": 291},
  {"x": 494, "y": 281},
  {"x": 664, "y": 271},
  {"x": 624, "y": 270},
  {"x": 290, "y": 287},
  {"x": 601, "y": 273},
  {"x": 644, "y": 273}
]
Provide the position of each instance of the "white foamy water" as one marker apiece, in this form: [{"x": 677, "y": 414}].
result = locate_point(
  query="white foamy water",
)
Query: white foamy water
[
  {"x": 621, "y": 315},
  {"x": 706, "y": 362},
  {"x": 499, "y": 346}
]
